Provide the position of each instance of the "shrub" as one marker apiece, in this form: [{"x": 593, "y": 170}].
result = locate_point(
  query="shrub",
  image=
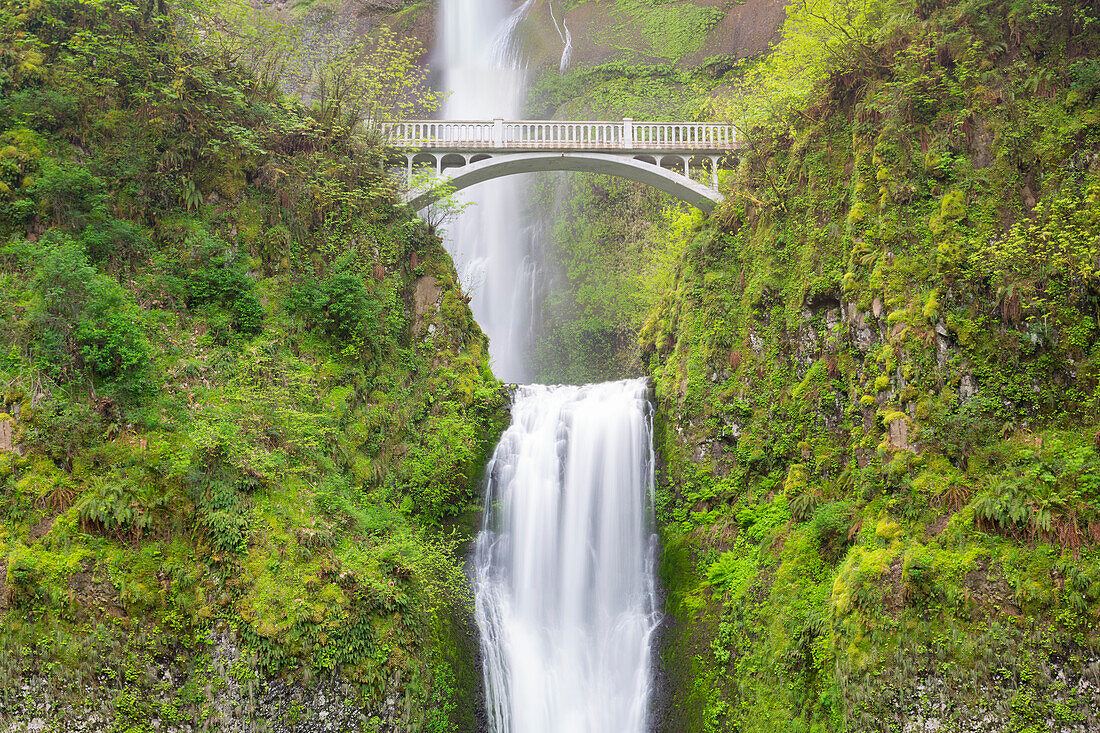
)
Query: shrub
[
  {"x": 217, "y": 281},
  {"x": 69, "y": 193},
  {"x": 342, "y": 306},
  {"x": 438, "y": 474},
  {"x": 89, "y": 319},
  {"x": 1086, "y": 77},
  {"x": 961, "y": 432},
  {"x": 114, "y": 240},
  {"x": 43, "y": 108}
]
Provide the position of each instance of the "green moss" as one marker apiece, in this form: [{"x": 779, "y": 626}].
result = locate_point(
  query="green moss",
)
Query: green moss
[
  {"x": 898, "y": 440},
  {"x": 218, "y": 399}
]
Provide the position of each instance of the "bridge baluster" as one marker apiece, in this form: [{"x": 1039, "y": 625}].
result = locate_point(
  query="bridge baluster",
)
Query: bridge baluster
[{"x": 675, "y": 137}]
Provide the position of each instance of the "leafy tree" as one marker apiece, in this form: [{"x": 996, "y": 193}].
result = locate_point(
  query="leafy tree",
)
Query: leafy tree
[
  {"x": 239, "y": 35},
  {"x": 372, "y": 81}
]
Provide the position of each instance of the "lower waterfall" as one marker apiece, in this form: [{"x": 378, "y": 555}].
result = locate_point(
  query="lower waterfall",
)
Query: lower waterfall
[{"x": 564, "y": 587}]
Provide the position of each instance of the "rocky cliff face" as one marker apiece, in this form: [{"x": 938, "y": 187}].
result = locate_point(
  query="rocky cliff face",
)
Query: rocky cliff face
[{"x": 878, "y": 378}]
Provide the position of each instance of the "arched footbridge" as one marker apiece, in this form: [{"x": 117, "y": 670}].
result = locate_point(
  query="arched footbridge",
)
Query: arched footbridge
[{"x": 660, "y": 154}]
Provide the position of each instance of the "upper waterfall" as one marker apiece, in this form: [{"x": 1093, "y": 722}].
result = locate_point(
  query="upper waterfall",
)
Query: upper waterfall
[{"x": 485, "y": 78}]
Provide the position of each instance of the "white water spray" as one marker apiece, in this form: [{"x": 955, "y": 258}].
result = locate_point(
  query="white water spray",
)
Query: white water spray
[{"x": 564, "y": 589}]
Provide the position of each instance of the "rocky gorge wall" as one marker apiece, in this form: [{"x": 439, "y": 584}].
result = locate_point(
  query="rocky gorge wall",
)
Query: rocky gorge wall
[
  {"x": 877, "y": 373},
  {"x": 244, "y": 407}
]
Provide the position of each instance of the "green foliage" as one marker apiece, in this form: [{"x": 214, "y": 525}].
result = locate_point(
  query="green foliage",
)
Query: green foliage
[
  {"x": 20, "y": 160},
  {"x": 373, "y": 81},
  {"x": 1052, "y": 494},
  {"x": 435, "y": 473},
  {"x": 618, "y": 89},
  {"x": 1086, "y": 78},
  {"x": 891, "y": 325},
  {"x": 217, "y": 281},
  {"x": 668, "y": 31},
  {"x": 121, "y": 506},
  {"x": 220, "y": 493},
  {"x": 87, "y": 320},
  {"x": 69, "y": 194},
  {"x": 343, "y": 306},
  {"x": 194, "y": 459},
  {"x": 732, "y": 571},
  {"x": 822, "y": 39},
  {"x": 1050, "y": 256}
]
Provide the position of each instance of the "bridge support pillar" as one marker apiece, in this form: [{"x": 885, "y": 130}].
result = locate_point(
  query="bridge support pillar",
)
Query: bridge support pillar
[{"x": 714, "y": 172}]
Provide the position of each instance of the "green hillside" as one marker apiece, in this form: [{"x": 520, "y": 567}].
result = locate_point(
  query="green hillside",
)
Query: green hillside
[
  {"x": 877, "y": 372},
  {"x": 244, "y": 402}
]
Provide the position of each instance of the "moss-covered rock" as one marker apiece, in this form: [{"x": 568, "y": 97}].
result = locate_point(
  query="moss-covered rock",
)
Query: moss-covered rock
[
  {"x": 232, "y": 433},
  {"x": 880, "y": 348}
]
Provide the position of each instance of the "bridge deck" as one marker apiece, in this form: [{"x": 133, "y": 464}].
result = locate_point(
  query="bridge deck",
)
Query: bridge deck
[{"x": 545, "y": 135}]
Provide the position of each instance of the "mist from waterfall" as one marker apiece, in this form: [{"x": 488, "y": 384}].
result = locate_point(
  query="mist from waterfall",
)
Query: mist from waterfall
[
  {"x": 486, "y": 79},
  {"x": 564, "y": 587}
]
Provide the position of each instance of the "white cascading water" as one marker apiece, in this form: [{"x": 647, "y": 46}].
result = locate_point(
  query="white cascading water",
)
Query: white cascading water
[
  {"x": 485, "y": 79},
  {"x": 564, "y": 588}
]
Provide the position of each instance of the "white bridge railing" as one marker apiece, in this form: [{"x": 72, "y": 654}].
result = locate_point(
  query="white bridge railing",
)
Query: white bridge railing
[{"x": 574, "y": 135}]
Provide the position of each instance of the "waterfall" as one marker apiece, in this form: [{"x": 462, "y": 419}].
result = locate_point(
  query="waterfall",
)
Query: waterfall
[
  {"x": 564, "y": 566},
  {"x": 485, "y": 78}
]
